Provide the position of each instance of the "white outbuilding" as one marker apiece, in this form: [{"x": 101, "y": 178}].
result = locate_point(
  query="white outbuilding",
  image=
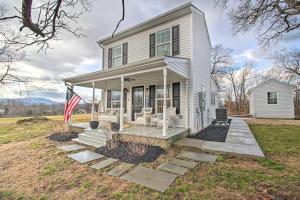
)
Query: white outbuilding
[{"x": 272, "y": 99}]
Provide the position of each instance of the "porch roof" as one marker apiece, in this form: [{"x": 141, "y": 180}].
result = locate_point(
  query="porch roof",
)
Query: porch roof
[{"x": 176, "y": 64}]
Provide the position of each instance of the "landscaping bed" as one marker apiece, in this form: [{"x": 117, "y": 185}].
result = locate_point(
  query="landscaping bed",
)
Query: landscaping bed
[
  {"x": 123, "y": 154},
  {"x": 212, "y": 133},
  {"x": 63, "y": 136}
]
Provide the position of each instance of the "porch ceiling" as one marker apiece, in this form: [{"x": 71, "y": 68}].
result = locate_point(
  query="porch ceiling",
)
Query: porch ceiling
[{"x": 152, "y": 67}]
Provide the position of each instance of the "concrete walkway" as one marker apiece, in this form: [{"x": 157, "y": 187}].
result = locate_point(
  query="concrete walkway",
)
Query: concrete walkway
[{"x": 239, "y": 141}]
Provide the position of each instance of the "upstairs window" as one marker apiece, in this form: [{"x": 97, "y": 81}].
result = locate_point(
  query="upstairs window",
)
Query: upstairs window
[
  {"x": 163, "y": 42},
  {"x": 117, "y": 56},
  {"x": 272, "y": 97}
]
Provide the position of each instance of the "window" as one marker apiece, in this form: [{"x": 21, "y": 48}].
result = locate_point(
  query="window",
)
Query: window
[
  {"x": 113, "y": 99},
  {"x": 117, "y": 56},
  {"x": 162, "y": 41},
  {"x": 160, "y": 97},
  {"x": 272, "y": 97}
]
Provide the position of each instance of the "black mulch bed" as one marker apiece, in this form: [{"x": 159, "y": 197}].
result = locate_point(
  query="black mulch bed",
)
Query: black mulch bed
[
  {"x": 63, "y": 136},
  {"x": 212, "y": 133},
  {"x": 121, "y": 153}
]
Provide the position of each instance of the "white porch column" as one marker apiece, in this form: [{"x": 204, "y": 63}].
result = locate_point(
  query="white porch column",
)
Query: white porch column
[
  {"x": 93, "y": 101},
  {"x": 165, "y": 103},
  {"x": 187, "y": 103},
  {"x": 121, "y": 103}
]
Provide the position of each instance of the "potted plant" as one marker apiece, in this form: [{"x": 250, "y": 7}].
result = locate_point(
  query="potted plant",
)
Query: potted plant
[{"x": 94, "y": 123}]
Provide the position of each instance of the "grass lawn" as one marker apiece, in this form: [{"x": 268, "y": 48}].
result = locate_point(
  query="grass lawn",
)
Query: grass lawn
[{"x": 32, "y": 168}]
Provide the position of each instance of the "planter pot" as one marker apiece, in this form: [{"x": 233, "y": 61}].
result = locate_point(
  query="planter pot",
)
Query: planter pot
[
  {"x": 114, "y": 126},
  {"x": 94, "y": 124}
]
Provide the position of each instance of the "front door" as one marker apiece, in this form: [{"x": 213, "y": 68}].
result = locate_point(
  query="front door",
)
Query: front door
[{"x": 137, "y": 100}]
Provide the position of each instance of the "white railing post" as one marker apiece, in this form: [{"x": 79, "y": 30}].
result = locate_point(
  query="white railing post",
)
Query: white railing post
[
  {"x": 187, "y": 103},
  {"x": 93, "y": 102},
  {"x": 121, "y": 103},
  {"x": 165, "y": 103}
]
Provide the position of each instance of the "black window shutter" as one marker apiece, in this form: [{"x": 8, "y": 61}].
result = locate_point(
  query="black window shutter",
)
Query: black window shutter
[
  {"x": 125, "y": 100},
  {"x": 176, "y": 97},
  {"x": 152, "y": 45},
  {"x": 152, "y": 98},
  {"x": 108, "y": 98},
  {"x": 175, "y": 40},
  {"x": 109, "y": 57},
  {"x": 125, "y": 53}
]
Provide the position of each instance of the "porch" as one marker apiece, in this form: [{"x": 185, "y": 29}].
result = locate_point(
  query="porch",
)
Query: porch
[
  {"x": 145, "y": 134},
  {"x": 129, "y": 89}
]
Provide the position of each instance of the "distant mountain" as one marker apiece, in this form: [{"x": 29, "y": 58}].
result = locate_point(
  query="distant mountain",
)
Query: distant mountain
[{"x": 29, "y": 101}]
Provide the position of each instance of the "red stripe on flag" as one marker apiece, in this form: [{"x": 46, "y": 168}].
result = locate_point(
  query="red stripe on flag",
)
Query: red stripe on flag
[{"x": 69, "y": 107}]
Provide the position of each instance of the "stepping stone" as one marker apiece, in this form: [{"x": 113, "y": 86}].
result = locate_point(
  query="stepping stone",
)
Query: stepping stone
[
  {"x": 120, "y": 169},
  {"x": 175, "y": 169},
  {"x": 201, "y": 157},
  {"x": 184, "y": 163},
  {"x": 71, "y": 147},
  {"x": 85, "y": 156},
  {"x": 104, "y": 163},
  {"x": 151, "y": 178}
]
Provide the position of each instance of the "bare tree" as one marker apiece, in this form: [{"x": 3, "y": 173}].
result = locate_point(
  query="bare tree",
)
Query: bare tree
[
  {"x": 42, "y": 21},
  {"x": 288, "y": 60},
  {"x": 8, "y": 57},
  {"x": 221, "y": 60},
  {"x": 271, "y": 18}
]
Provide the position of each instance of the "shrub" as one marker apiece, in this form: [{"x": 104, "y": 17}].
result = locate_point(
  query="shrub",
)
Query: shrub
[
  {"x": 136, "y": 148},
  {"x": 111, "y": 141}
]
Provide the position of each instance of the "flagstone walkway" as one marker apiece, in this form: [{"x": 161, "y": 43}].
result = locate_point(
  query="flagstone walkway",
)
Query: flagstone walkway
[{"x": 159, "y": 179}]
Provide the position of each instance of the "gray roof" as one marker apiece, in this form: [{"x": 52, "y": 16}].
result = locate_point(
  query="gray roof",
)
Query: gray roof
[
  {"x": 167, "y": 16},
  {"x": 271, "y": 80}
]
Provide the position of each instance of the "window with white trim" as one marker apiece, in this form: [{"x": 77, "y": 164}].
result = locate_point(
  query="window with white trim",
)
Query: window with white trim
[
  {"x": 160, "y": 97},
  {"x": 115, "y": 99},
  {"x": 163, "y": 42},
  {"x": 117, "y": 56},
  {"x": 272, "y": 97}
]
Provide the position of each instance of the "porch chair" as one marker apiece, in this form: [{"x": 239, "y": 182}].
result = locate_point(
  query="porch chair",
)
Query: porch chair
[
  {"x": 144, "y": 116},
  {"x": 171, "y": 115}
]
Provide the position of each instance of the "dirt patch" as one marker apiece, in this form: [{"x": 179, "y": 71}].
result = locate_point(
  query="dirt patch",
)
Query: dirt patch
[
  {"x": 32, "y": 120},
  {"x": 122, "y": 153},
  {"x": 212, "y": 133},
  {"x": 63, "y": 136}
]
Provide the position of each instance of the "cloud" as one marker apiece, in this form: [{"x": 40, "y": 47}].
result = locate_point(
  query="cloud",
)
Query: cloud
[{"x": 71, "y": 56}]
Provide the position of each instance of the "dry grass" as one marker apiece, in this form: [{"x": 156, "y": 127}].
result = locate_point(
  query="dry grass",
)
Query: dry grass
[
  {"x": 33, "y": 168},
  {"x": 273, "y": 121}
]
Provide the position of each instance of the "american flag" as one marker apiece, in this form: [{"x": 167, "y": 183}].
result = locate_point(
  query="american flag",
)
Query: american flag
[{"x": 72, "y": 101}]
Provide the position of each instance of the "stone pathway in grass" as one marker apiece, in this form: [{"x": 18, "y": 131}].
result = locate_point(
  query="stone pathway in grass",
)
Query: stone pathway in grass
[
  {"x": 159, "y": 179},
  {"x": 85, "y": 156},
  {"x": 184, "y": 163},
  {"x": 104, "y": 163},
  {"x": 71, "y": 147},
  {"x": 175, "y": 169},
  {"x": 120, "y": 169},
  {"x": 201, "y": 157},
  {"x": 151, "y": 178}
]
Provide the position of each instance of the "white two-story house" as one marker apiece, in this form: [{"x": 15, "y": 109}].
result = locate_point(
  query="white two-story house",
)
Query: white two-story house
[{"x": 160, "y": 63}]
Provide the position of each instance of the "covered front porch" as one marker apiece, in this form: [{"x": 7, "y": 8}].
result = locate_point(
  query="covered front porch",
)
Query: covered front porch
[{"x": 155, "y": 83}]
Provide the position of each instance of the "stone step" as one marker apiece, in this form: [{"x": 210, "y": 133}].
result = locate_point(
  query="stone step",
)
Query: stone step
[
  {"x": 175, "y": 169},
  {"x": 95, "y": 133},
  {"x": 92, "y": 137},
  {"x": 88, "y": 142},
  {"x": 120, "y": 169},
  {"x": 104, "y": 163}
]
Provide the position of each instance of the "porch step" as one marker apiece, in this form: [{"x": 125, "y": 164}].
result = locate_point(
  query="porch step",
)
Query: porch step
[
  {"x": 92, "y": 138},
  {"x": 89, "y": 142}
]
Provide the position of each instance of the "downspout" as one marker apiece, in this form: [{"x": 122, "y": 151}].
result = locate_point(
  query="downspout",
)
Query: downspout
[{"x": 101, "y": 46}]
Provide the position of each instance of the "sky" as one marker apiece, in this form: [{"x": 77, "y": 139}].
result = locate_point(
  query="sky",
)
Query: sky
[{"x": 72, "y": 56}]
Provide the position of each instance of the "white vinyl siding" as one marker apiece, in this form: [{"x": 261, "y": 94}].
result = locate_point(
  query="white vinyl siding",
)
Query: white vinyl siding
[
  {"x": 200, "y": 71},
  {"x": 260, "y": 107},
  {"x": 138, "y": 44}
]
